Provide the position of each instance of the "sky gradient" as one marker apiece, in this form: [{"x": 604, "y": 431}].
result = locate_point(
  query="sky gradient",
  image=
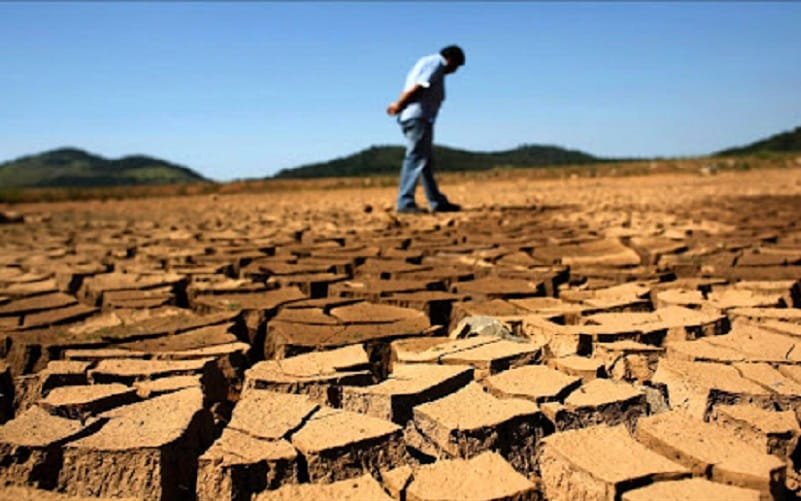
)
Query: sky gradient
[{"x": 238, "y": 90}]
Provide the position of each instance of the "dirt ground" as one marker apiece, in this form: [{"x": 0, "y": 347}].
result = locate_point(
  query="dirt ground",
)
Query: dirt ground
[{"x": 582, "y": 338}]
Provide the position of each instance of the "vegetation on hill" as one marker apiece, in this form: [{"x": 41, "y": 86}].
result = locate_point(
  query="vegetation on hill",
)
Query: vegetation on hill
[
  {"x": 72, "y": 167},
  {"x": 387, "y": 160},
  {"x": 684, "y": 166},
  {"x": 74, "y": 174},
  {"x": 780, "y": 143}
]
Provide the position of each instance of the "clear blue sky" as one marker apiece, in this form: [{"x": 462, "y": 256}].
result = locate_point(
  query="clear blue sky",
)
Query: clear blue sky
[{"x": 243, "y": 89}]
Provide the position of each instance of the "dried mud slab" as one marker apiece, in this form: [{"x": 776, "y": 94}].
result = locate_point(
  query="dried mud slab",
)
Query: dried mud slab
[
  {"x": 686, "y": 298},
  {"x": 374, "y": 290},
  {"x": 239, "y": 465},
  {"x": 34, "y": 304},
  {"x": 339, "y": 444},
  {"x": 558, "y": 340},
  {"x": 31, "y": 494},
  {"x": 81, "y": 401},
  {"x": 691, "y": 489},
  {"x": 29, "y": 288},
  {"x": 157, "y": 323},
  {"x": 355, "y": 489},
  {"x": 438, "y": 305},
  {"x": 62, "y": 373},
  {"x": 488, "y": 288},
  {"x": 264, "y": 268},
  {"x": 712, "y": 451},
  {"x": 447, "y": 275},
  {"x": 781, "y": 327},
  {"x": 485, "y": 477},
  {"x": 608, "y": 252},
  {"x": 203, "y": 337},
  {"x": 219, "y": 285},
  {"x": 600, "y": 462},
  {"x": 6, "y": 393},
  {"x": 791, "y": 315},
  {"x": 600, "y": 401},
  {"x": 356, "y": 323},
  {"x": 786, "y": 391},
  {"x": 611, "y": 296},
  {"x": 685, "y": 323},
  {"x": 550, "y": 307},
  {"x": 30, "y": 351},
  {"x": 31, "y": 447},
  {"x": 390, "y": 268},
  {"x": 537, "y": 383},
  {"x": 314, "y": 285},
  {"x": 651, "y": 249},
  {"x": 256, "y": 308},
  {"x": 486, "y": 354},
  {"x": 698, "y": 387},
  {"x": 704, "y": 351},
  {"x": 407, "y": 386},
  {"x": 583, "y": 367},
  {"x": 491, "y": 358},
  {"x": 319, "y": 375},
  {"x": 471, "y": 421},
  {"x": 760, "y": 345},
  {"x": 139, "y": 299},
  {"x": 95, "y": 288},
  {"x": 772, "y": 432},
  {"x": 148, "y": 449},
  {"x": 47, "y": 318},
  {"x": 725, "y": 299},
  {"x": 130, "y": 371},
  {"x": 268, "y": 301},
  {"x": 268, "y": 415},
  {"x": 169, "y": 384},
  {"x": 640, "y": 327},
  {"x": 628, "y": 360}
]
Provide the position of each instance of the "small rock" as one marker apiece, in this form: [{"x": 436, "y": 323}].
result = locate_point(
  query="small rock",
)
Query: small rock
[
  {"x": 482, "y": 326},
  {"x": 9, "y": 217}
]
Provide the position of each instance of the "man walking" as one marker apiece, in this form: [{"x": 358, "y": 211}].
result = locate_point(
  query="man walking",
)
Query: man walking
[{"x": 417, "y": 109}]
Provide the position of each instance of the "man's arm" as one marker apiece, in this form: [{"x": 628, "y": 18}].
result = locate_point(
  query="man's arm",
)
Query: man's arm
[{"x": 405, "y": 98}]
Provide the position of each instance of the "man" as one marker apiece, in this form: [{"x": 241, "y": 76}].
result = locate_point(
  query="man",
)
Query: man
[{"x": 417, "y": 109}]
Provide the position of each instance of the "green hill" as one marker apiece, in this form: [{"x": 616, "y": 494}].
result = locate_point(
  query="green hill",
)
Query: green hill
[
  {"x": 77, "y": 168},
  {"x": 780, "y": 143},
  {"x": 387, "y": 160}
]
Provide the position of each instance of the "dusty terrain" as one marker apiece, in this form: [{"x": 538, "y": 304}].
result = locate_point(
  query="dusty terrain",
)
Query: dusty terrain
[{"x": 610, "y": 338}]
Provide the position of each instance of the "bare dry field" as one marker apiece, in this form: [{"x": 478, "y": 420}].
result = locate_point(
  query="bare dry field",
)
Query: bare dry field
[{"x": 599, "y": 338}]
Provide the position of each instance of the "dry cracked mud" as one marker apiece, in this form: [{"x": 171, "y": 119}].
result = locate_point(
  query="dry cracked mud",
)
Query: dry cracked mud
[{"x": 601, "y": 339}]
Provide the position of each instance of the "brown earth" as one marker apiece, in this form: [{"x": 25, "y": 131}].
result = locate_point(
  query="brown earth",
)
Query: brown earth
[{"x": 619, "y": 338}]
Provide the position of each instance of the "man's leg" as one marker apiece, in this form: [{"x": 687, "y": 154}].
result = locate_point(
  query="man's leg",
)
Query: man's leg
[
  {"x": 418, "y": 163},
  {"x": 416, "y": 157},
  {"x": 435, "y": 197}
]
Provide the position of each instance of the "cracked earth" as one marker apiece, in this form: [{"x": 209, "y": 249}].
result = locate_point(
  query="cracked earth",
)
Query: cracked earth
[{"x": 607, "y": 338}]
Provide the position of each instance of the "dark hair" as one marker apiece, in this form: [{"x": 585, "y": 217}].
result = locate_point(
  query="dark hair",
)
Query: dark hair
[{"x": 454, "y": 54}]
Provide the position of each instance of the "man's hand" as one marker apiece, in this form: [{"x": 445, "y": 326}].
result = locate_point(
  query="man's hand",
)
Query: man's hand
[
  {"x": 394, "y": 108},
  {"x": 405, "y": 98}
]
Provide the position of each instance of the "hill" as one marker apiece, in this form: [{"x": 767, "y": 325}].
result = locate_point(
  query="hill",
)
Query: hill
[
  {"x": 387, "y": 160},
  {"x": 77, "y": 168},
  {"x": 780, "y": 143}
]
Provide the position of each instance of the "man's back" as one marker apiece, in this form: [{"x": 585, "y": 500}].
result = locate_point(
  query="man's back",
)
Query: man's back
[{"x": 429, "y": 72}]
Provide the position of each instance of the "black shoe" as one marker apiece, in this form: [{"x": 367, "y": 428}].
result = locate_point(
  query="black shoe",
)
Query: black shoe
[
  {"x": 448, "y": 207},
  {"x": 410, "y": 210}
]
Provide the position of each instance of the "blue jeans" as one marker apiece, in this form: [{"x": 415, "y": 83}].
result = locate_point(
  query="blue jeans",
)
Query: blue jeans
[{"x": 418, "y": 164}]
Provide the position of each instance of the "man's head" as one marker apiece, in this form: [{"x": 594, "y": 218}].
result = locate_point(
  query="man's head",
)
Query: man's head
[{"x": 455, "y": 57}]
